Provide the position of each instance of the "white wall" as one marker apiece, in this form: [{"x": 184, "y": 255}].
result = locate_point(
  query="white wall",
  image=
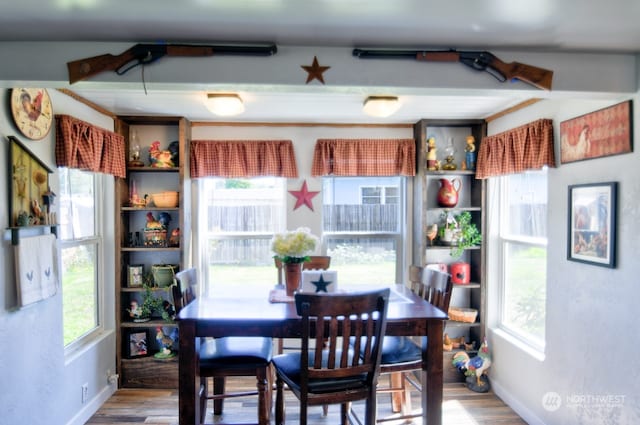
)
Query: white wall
[
  {"x": 41, "y": 385},
  {"x": 591, "y": 326}
]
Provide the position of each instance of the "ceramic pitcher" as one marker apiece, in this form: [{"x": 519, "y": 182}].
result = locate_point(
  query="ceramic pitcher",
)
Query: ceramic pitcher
[{"x": 448, "y": 193}]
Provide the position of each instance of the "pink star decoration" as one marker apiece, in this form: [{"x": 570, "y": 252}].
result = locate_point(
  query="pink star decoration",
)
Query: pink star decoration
[{"x": 303, "y": 196}]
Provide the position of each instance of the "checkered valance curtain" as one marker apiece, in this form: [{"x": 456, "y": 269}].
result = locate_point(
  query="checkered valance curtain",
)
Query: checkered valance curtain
[
  {"x": 528, "y": 147},
  {"x": 364, "y": 157},
  {"x": 243, "y": 158},
  {"x": 82, "y": 145}
]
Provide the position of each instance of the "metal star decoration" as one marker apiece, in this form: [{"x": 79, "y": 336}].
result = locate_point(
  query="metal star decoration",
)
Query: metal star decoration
[
  {"x": 315, "y": 71},
  {"x": 321, "y": 284},
  {"x": 303, "y": 196}
]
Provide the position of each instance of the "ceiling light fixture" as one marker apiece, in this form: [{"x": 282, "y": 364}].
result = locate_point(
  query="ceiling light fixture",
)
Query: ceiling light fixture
[
  {"x": 224, "y": 104},
  {"x": 381, "y": 106}
]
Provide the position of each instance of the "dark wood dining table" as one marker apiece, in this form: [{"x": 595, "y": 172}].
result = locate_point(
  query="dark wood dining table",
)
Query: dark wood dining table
[{"x": 253, "y": 313}]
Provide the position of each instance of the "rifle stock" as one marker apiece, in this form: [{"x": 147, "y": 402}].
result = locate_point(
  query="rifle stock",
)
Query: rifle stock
[
  {"x": 141, "y": 54},
  {"x": 480, "y": 61}
]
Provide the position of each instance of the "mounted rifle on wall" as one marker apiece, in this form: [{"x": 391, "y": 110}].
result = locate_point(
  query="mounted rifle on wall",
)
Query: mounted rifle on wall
[
  {"x": 478, "y": 60},
  {"x": 144, "y": 54}
]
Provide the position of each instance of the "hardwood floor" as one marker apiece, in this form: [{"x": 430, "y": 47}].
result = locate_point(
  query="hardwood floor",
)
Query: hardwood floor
[{"x": 160, "y": 407}]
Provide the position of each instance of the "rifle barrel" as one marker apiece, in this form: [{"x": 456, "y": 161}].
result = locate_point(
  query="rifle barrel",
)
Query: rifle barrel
[
  {"x": 364, "y": 53},
  {"x": 228, "y": 49}
]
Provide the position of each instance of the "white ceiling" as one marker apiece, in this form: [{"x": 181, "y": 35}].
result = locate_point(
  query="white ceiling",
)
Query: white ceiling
[{"x": 543, "y": 25}]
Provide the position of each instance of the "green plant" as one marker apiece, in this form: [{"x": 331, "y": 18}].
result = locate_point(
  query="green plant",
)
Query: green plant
[
  {"x": 151, "y": 303},
  {"x": 466, "y": 234}
]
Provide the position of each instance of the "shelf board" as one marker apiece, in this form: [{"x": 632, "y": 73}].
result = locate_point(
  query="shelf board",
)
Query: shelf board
[
  {"x": 142, "y": 289},
  {"x": 450, "y": 172},
  {"x": 142, "y": 209},
  {"x": 471, "y": 285},
  {"x": 153, "y": 323},
  {"x": 455, "y": 323},
  {"x": 145, "y": 249},
  {"x": 457, "y": 208}
]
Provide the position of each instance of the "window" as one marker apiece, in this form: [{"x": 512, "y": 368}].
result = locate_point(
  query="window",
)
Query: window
[
  {"x": 81, "y": 254},
  {"x": 523, "y": 247},
  {"x": 239, "y": 218},
  {"x": 363, "y": 227}
]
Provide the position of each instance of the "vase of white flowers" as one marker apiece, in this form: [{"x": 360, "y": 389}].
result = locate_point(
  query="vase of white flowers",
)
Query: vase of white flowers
[{"x": 292, "y": 249}]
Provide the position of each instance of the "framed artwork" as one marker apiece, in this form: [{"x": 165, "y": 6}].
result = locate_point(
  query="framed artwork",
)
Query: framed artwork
[
  {"x": 137, "y": 343},
  {"x": 29, "y": 183},
  {"x": 605, "y": 132},
  {"x": 135, "y": 272},
  {"x": 592, "y": 224}
]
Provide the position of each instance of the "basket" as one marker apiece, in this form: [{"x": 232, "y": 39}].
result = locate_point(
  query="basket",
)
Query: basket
[
  {"x": 167, "y": 199},
  {"x": 155, "y": 238},
  {"x": 461, "y": 314}
]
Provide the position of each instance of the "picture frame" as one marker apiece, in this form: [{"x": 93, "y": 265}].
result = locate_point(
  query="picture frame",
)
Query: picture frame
[
  {"x": 605, "y": 132},
  {"x": 137, "y": 343},
  {"x": 592, "y": 224},
  {"x": 29, "y": 179},
  {"x": 135, "y": 275}
]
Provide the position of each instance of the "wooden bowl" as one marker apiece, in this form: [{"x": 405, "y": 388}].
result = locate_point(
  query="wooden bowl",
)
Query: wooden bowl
[{"x": 167, "y": 199}]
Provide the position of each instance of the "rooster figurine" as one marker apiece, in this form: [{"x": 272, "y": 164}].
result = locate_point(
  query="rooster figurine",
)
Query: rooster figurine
[
  {"x": 160, "y": 158},
  {"x": 165, "y": 342},
  {"x": 475, "y": 368}
]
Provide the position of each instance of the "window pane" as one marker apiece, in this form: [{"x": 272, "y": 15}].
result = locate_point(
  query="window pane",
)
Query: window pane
[
  {"x": 525, "y": 293},
  {"x": 363, "y": 260},
  {"x": 79, "y": 294},
  {"x": 77, "y": 204},
  {"x": 242, "y": 215},
  {"x": 527, "y": 203}
]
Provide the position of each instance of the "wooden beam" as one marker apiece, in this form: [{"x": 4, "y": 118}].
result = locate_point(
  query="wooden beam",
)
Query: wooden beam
[
  {"x": 90, "y": 104},
  {"x": 514, "y": 108}
]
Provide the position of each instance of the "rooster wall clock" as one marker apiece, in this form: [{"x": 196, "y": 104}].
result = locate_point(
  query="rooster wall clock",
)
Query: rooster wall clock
[{"x": 32, "y": 112}]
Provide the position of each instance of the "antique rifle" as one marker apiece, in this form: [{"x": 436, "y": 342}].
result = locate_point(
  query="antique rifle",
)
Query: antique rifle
[
  {"x": 478, "y": 60},
  {"x": 143, "y": 54}
]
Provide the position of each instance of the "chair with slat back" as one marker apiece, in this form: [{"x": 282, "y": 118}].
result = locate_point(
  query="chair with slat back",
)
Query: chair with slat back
[
  {"x": 332, "y": 373},
  {"x": 220, "y": 358},
  {"x": 316, "y": 262},
  {"x": 402, "y": 355}
]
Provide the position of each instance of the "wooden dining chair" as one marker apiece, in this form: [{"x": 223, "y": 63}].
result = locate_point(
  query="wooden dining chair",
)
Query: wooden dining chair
[
  {"x": 403, "y": 355},
  {"x": 316, "y": 262},
  {"x": 321, "y": 374},
  {"x": 219, "y": 358}
]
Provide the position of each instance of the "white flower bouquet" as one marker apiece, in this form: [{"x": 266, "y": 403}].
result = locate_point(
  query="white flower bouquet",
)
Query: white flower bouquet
[{"x": 294, "y": 246}]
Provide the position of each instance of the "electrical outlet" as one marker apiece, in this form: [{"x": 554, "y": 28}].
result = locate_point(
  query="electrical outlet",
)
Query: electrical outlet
[{"x": 85, "y": 393}]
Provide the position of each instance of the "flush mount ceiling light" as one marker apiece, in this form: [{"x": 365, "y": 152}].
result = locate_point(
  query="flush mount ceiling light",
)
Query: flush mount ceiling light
[
  {"x": 224, "y": 104},
  {"x": 381, "y": 106}
]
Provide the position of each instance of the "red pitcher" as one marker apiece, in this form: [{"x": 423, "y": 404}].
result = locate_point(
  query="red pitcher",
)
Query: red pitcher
[{"x": 448, "y": 193}]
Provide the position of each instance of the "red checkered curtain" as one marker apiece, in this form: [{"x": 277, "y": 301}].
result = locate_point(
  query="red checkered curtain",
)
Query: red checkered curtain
[
  {"x": 364, "y": 157},
  {"x": 82, "y": 145},
  {"x": 529, "y": 147},
  {"x": 243, "y": 158}
]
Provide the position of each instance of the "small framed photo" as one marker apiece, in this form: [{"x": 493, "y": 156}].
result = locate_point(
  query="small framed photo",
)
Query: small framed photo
[
  {"x": 137, "y": 343},
  {"x": 592, "y": 224},
  {"x": 135, "y": 272}
]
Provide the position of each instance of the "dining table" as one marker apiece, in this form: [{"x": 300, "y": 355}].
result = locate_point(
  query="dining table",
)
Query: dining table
[{"x": 265, "y": 311}]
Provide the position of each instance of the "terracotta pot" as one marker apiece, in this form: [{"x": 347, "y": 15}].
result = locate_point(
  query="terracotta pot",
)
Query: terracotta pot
[{"x": 292, "y": 277}]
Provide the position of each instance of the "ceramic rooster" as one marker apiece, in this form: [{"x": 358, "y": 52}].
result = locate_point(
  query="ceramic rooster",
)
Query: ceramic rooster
[
  {"x": 165, "y": 342},
  {"x": 164, "y": 218},
  {"x": 152, "y": 223},
  {"x": 475, "y": 367},
  {"x": 160, "y": 158}
]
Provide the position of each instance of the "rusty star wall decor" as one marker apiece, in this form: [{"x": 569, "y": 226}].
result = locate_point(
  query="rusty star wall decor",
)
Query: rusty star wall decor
[
  {"x": 303, "y": 196},
  {"x": 315, "y": 71}
]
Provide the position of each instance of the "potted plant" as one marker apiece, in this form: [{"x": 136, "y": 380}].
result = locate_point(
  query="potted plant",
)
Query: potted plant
[
  {"x": 292, "y": 249},
  {"x": 150, "y": 304},
  {"x": 459, "y": 232}
]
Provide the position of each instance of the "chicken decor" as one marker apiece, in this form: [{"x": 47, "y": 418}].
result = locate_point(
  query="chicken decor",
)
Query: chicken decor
[
  {"x": 165, "y": 343},
  {"x": 160, "y": 158},
  {"x": 475, "y": 368}
]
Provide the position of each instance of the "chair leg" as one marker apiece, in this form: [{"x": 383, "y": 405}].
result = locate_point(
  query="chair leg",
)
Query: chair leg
[
  {"x": 406, "y": 399},
  {"x": 344, "y": 413},
  {"x": 218, "y": 388},
  {"x": 264, "y": 405},
  {"x": 204, "y": 392},
  {"x": 279, "y": 402},
  {"x": 397, "y": 398}
]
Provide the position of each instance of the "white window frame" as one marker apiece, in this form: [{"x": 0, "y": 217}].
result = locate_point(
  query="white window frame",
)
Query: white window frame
[
  {"x": 97, "y": 239},
  {"x": 501, "y": 241}
]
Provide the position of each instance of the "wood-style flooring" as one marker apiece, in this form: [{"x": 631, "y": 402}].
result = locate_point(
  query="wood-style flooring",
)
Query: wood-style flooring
[{"x": 160, "y": 407}]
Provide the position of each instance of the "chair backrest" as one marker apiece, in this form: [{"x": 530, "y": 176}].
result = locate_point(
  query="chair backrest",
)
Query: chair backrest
[
  {"x": 185, "y": 289},
  {"x": 328, "y": 323},
  {"x": 432, "y": 285},
  {"x": 317, "y": 262}
]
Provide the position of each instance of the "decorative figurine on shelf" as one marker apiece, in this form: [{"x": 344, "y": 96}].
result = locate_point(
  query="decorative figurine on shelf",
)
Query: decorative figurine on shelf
[
  {"x": 475, "y": 368},
  {"x": 160, "y": 158},
  {"x": 432, "y": 162},
  {"x": 135, "y": 200},
  {"x": 432, "y": 233},
  {"x": 470, "y": 150},
  {"x": 450, "y": 152},
  {"x": 165, "y": 343},
  {"x": 174, "y": 239}
]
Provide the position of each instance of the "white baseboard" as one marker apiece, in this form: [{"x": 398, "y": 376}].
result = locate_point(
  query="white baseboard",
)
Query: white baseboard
[
  {"x": 524, "y": 412},
  {"x": 90, "y": 408}
]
